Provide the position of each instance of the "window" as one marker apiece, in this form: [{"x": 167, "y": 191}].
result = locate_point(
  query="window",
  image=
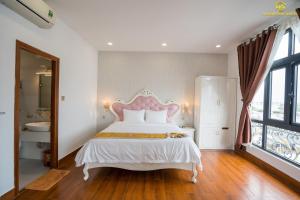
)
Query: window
[
  {"x": 297, "y": 46},
  {"x": 277, "y": 78},
  {"x": 275, "y": 109},
  {"x": 257, "y": 104},
  {"x": 283, "y": 50},
  {"x": 283, "y": 143},
  {"x": 257, "y": 133},
  {"x": 296, "y": 114}
]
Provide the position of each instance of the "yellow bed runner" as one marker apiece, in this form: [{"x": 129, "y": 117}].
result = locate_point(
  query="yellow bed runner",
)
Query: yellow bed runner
[
  {"x": 122, "y": 135},
  {"x": 131, "y": 135}
]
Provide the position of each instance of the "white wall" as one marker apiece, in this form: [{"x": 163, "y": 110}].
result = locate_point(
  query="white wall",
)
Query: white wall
[
  {"x": 233, "y": 72},
  {"x": 169, "y": 75},
  {"x": 78, "y": 82},
  {"x": 279, "y": 164}
]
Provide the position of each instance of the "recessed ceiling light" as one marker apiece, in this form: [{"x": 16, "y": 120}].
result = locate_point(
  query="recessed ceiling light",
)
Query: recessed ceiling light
[
  {"x": 109, "y": 43},
  {"x": 164, "y": 44},
  {"x": 218, "y": 46}
]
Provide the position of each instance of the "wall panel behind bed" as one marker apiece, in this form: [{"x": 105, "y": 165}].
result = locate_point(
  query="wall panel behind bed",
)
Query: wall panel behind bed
[{"x": 168, "y": 75}]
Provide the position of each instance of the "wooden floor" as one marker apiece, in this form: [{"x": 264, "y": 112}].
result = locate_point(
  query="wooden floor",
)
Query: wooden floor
[{"x": 225, "y": 176}]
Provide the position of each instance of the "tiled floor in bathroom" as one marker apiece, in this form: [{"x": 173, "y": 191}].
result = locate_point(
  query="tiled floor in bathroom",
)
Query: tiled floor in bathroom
[{"x": 30, "y": 169}]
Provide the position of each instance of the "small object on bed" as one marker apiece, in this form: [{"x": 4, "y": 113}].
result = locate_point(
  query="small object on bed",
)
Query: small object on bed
[{"x": 177, "y": 135}]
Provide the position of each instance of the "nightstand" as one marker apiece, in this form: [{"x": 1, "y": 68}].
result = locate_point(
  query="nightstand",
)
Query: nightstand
[{"x": 190, "y": 131}]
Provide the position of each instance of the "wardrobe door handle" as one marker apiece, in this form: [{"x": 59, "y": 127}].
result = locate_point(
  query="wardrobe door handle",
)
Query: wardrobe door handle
[
  {"x": 2, "y": 113},
  {"x": 225, "y": 128}
]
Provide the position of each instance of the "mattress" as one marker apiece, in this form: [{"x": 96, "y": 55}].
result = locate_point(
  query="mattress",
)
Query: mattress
[{"x": 114, "y": 150}]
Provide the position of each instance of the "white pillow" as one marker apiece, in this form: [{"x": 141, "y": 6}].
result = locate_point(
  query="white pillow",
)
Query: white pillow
[
  {"x": 156, "y": 116},
  {"x": 134, "y": 116}
]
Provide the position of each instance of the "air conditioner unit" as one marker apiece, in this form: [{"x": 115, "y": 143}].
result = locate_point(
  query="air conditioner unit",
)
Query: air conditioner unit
[{"x": 36, "y": 11}]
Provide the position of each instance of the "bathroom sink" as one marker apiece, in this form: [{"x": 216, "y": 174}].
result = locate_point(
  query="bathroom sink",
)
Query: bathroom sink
[{"x": 38, "y": 126}]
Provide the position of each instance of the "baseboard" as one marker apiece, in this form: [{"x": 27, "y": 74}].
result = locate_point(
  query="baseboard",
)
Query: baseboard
[
  {"x": 279, "y": 175},
  {"x": 8, "y": 195},
  {"x": 67, "y": 157}
]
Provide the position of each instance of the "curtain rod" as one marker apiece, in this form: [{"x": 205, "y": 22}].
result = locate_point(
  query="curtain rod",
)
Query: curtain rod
[{"x": 274, "y": 26}]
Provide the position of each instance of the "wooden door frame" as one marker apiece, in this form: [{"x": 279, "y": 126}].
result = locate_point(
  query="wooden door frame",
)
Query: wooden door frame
[{"x": 54, "y": 106}]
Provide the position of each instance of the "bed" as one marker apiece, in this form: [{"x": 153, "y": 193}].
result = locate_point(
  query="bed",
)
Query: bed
[{"x": 141, "y": 154}]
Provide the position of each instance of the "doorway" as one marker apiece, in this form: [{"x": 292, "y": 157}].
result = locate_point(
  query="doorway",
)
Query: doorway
[{"x": 35, "y": 113}]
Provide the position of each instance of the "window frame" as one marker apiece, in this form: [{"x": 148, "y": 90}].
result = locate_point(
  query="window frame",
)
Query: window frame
[
  {"x": 290, "y": 64},
  {"x": 269, "y": 96}
]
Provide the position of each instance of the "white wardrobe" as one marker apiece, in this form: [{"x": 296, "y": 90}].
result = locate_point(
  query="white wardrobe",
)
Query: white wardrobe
[{"x": 215, "y": 112}]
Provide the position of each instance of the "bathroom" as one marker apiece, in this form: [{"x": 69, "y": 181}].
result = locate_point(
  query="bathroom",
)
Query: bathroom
[{"x": 34, "y": 117}]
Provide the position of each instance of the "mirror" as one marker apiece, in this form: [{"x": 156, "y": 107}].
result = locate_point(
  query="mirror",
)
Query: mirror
[{"x": 44, "y": 92}]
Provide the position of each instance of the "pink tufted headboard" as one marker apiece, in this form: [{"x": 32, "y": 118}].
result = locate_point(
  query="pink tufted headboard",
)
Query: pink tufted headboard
[{"x": 147, "y": 101}]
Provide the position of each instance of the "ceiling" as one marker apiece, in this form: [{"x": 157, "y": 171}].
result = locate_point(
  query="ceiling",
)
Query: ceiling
[{"x": 185, "y": 25}]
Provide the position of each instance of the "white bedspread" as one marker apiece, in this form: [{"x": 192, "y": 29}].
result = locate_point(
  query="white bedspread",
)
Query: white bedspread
[{"x": 170, "y": 150}]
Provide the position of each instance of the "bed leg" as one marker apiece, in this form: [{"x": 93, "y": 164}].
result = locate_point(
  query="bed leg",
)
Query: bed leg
[
  {"x": 195, "y": 173},
  {"x": 85, "y": 172}
]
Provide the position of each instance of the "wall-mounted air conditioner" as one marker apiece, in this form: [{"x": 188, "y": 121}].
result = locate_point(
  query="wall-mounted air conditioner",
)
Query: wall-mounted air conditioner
[{"x": 36, "y": 11}]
